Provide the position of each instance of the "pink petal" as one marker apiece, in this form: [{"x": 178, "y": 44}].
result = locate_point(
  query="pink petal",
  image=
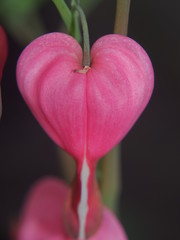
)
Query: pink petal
[
  {"x": 110, "y": 228},
  {"x": 42, "y": 217},
  {"x": 3, "y": 57},
  {"x": 3, "y": 50},
  {"x": 85, "y": 113},
  {"x": 54, "y": 93},
  {"x": 119, "y": 87}
]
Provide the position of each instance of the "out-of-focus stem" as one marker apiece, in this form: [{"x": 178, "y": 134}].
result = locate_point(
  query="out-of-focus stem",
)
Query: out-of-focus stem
[
  {"x": 64, "y": 12},
  {"x": 122, "y": 16},
  {"x": 111, "y": 181},
  {"x": 110, "y": 178},
  {"x": 67, "y": 166}
]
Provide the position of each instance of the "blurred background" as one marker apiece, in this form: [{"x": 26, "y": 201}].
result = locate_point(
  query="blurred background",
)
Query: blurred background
[{"x": 150, "y": 198}]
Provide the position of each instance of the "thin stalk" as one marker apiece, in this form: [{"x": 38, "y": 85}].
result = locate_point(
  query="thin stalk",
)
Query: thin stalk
[
  {"x": 65, "y": 13},
  {"x": 75, "y": 26},
  {"x": 86, "y": 44},
  {"x": 110, "y": 168},
  {"x": 110, "y": 178},
  {"x": 122, "y": 16},
  {"x": 67, "y": 166}
]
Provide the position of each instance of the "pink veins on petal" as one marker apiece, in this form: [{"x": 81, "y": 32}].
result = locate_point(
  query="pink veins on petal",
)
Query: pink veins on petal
[{"x": 85, "y": 113}]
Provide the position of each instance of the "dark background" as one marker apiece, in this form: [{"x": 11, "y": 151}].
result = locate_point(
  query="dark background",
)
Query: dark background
[{"x": 150, "y": 200}]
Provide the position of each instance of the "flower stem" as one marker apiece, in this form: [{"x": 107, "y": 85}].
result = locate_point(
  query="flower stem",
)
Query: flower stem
[
  {"x": 110, "y": 166},
  {"x": 70, "y": 19},
  {"x": 122, "y": 16},
  {"x": 110, "y": 178},
  {"x": 86, "y": 44},
  {"x": 75, "y": 26},
  {"x": 64, "y": 12}
]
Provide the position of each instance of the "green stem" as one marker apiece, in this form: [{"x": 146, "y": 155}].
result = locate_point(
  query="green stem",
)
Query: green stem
[
  {"x": 64, "y": 12},
  {"x": 75, "y": 25},
  {"x": 86, "y": 44},
  {"x": 71, "y": 21},
  {"x": 122, "y": 16},
  {"x": 110, "y": 178},
  {"x": 110, "y": 168},
  {"x": 67, "y": 165}
]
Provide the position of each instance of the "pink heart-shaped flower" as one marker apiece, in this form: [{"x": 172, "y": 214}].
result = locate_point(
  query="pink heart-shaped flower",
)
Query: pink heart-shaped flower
[{"x": 86, "y": 112}]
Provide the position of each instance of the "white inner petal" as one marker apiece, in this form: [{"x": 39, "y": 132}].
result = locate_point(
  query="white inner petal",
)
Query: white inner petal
[{"x": 83, "y": 204}]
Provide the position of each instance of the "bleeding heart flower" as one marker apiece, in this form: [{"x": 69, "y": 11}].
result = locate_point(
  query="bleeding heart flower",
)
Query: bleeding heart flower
[
  {"x": 3, "y": 57},
  {"x": 86, "y": 111},
  {"x": 42, "y": 217}
]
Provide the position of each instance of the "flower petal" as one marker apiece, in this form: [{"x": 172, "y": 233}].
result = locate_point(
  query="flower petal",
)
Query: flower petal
[
  {"x": 42, "y": 215},
  {"x": 3, "y": 57},
  {"x": 85, "y": 113}
]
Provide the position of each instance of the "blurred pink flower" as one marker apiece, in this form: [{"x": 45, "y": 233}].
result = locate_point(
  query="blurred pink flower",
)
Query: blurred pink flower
[
  {"x": 43, "y": 215},
  {"x": 3, "y": 57}
]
